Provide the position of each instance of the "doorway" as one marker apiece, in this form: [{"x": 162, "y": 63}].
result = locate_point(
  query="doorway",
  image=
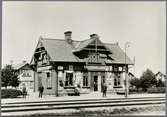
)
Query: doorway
[{"x": 95, "y": 83}]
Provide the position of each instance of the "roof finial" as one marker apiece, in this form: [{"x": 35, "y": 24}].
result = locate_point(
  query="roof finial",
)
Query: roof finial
[{"x": 94, "y": 36}]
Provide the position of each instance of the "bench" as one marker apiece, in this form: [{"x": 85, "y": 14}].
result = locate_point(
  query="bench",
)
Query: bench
[{"x": 72, "y": 92}]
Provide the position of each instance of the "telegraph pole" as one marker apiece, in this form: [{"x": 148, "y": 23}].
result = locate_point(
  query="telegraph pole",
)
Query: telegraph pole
[
  {"x": 126, "y": 71},
  {"x": 134, "y": 65}
]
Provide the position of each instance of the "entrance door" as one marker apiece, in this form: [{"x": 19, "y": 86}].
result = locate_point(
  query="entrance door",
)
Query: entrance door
[{"x": 95, "y": 83}]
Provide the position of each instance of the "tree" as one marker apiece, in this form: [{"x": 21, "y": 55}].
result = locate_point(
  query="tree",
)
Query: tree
[
  {"x": 135, "y": 82},
  {"x": 9, "y": 77},
  {"x": 14, "y": 82},
  {"x": 147, "y": 80}
]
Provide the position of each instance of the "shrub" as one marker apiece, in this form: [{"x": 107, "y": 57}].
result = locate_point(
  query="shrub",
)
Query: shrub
[
  {"x": 134, "y": 90},
  {"x": 156, "y": 90},
  {"x": 10, "y": 93}
]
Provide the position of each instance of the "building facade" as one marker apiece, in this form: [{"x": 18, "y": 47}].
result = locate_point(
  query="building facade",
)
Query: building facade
[
  {"x": 63, "y": 64},
  {"x": 25, "y": 75}
]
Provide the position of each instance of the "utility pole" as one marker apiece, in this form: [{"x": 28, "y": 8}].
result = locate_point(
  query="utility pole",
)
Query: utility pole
[
  {"x": 134, "y": 65},
  {"x": 126, "y": 72}
]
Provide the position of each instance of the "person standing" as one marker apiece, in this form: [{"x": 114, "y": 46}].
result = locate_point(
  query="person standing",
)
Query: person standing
[
  {"x": 41, "y": 89},
  {"x": 24, "y": 91},
  {"x": 104, "y": 89}
]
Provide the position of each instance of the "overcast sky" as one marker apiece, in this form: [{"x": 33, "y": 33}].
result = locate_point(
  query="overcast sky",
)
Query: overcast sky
[{"x": 140, "y": 23}]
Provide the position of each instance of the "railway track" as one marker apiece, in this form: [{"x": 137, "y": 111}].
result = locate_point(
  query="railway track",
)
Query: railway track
[{"x": 76, "y": 104}]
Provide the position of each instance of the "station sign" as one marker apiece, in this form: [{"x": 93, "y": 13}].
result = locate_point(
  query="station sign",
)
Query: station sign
[
  {"x": 60, "y": 67},
  {"x": 44, "y": 68}
]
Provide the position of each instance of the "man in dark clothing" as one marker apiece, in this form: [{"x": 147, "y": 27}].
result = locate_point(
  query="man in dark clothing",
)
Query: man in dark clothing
[
  {"x": 24, "y": 91},
  {"x": 41, "y": 89},
  {"x": 104, "y": 90}
]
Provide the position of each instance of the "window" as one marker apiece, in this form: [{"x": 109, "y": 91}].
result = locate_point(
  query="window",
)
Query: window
[
  {"x": 111, "y": 68},
  {"x": 48, "y": 80},
  {"x": 69, "y": 79},
  {"x": 44, "y": 57},
  {"x": 120, "y": 68},
  {"x": 85, "y": 79},
  {"x": 115, "y": 82},
  {"x": 117, "y": 79},
  {"x": 60, "y": 77}
]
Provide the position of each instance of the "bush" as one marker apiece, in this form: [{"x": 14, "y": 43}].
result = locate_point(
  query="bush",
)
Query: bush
[
  {"x": 156, "y": 90},
  {"x": 10, "y": 93},
  {"x": 134, "y": 90}
]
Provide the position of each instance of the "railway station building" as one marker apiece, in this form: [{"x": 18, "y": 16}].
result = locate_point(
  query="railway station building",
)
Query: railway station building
[{"x": 63, "y": 64}]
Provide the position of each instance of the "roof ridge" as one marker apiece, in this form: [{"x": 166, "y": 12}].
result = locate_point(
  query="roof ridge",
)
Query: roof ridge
[
  {"x": 53, "y": 39},
  {"x": 76, "y": 40},
  {"x": 59, "y": 39},
  {"x": 86, "y": 40},
  {"x": 111, "y": 43}
]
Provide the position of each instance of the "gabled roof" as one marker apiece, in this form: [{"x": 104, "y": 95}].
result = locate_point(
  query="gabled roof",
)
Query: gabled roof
[
  {"x": 60, "y": 51},
  {"x": 21, "y": 66},
  {"x": 83, "y": 44},
  {"x": 118, "y": 54},
  {"x": 131, "y": 74},
  {"x": 160, "y": 74}
]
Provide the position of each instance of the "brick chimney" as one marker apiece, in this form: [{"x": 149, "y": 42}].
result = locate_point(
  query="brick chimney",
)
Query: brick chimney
[
  {"x": 68, "y": 36},
  {"x": 94, "y": 36}
]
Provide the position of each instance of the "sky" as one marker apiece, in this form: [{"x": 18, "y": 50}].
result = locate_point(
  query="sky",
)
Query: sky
[{"x": 143, "y": 24}]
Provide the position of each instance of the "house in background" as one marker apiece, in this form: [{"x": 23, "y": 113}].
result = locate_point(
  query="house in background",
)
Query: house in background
[
  {"x": 25, "y": 75},
  {"x": 161, "y": 76},
  {"x": 131, "y": 76},
  {"x": 63, "y": 64}
]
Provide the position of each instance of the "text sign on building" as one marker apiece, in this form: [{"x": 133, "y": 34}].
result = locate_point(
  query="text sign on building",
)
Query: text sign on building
[
  {"x": 44, "y": 68},
  {"x": 60, "y": 67},
  {"x": 96, "y": 67}
]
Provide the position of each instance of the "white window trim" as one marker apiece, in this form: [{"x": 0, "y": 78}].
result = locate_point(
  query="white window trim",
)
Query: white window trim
[
  {"x": 48, "y": 86},
  {"x": 68, "y": 71}
]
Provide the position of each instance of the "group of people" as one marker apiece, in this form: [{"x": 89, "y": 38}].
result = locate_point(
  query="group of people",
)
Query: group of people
[{"x": 41, "y": 89}]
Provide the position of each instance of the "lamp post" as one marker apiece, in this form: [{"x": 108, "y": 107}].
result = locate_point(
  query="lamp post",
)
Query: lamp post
[{"x": 126, "y": 71}]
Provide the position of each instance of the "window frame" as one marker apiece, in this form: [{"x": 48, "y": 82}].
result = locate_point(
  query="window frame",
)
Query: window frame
[
  {"x": 117, "y": 80},
  {"x": 48, "y": 80},
  {"x": 85, "y": 80},
  {"x": 67, "y": 80}
]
